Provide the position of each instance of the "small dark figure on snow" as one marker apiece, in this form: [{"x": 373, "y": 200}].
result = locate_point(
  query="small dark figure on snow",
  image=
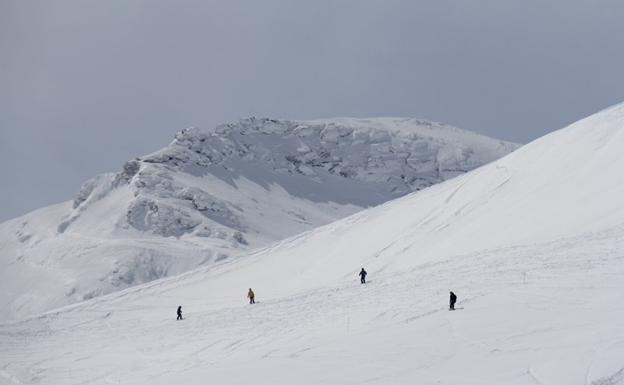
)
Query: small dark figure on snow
[
  {"x": 251, "y": 296},
  {"x": 179, "y": 313},
  {"x": 363, "y": 276},
  {"x": 452, "y": 300}
]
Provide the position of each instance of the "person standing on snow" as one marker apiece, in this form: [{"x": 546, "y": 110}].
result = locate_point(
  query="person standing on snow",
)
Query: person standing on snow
[
  {"x": 363, "y": 276},
  {"x": 251, "y": 296},
  {"x": 179, "y": 313},
  {"x": 452, "y": 300}
]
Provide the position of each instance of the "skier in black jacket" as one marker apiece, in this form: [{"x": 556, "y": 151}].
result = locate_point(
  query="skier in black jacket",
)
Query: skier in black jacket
[
  {"x": 452, "y": 300},
  {"x": 363, "y": 276},
  {"x": 179, "y": 313}
]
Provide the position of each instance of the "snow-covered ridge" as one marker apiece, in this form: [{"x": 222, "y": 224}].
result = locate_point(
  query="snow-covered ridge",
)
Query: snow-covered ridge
[
  {"x": 215, "y": 193},
  {"x": 363, "y": 149},
  {"x": 392, "y": 156}
]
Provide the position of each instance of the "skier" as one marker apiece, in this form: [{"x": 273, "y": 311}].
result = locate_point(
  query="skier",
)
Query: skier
[
  {"x": 452, "y": 301},
  {"x": 363, "y": 276},
  {"x": 179, "y": 313},
  {"x": 251, "y": 296}
]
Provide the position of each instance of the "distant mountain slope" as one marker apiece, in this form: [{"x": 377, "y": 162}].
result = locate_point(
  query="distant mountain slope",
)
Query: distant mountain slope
[
  {"x": 533, "y": 244},
  {"x": 213, "y": 194}
]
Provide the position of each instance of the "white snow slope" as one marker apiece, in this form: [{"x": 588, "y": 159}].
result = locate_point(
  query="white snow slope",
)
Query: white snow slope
[
  {"x": 214, "y": 194},
  {"x": 533, "y": 245}
]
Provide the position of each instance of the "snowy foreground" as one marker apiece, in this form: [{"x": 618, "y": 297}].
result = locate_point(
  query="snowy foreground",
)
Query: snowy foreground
[
  {"x": 218, "y": 193},
  {"x": 533, "y": 245}
]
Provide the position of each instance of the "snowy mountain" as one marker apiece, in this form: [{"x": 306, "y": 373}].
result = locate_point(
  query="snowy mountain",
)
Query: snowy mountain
[
  {"x": 533, "y": 244},
  {"x": 214, "y": 194}
]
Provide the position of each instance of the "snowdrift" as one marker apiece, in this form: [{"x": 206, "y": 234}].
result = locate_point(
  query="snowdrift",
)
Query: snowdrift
[{"x": 533, "y": 245}]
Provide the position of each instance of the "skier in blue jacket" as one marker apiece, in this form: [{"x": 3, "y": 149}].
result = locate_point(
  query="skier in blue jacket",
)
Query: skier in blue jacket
[{"x": 363, "y": 276}]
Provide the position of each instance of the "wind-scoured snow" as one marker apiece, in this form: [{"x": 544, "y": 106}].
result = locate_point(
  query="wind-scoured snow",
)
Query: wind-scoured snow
[
  {"x": 532, "y": 244},
  {"x": 215, "y": 194}
]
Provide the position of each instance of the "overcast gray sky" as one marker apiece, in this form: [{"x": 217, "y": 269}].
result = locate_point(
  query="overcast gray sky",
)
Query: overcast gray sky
[{"x": 88, "y": 84}]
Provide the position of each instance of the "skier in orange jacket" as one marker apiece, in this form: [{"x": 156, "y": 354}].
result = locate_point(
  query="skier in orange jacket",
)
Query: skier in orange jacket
[{"x": 251, "y": 296}]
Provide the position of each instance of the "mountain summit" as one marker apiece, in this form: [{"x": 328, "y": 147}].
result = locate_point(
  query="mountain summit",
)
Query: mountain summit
[
  {"x": 532, "y": 245},
  {"x": 213, "y": 194}
]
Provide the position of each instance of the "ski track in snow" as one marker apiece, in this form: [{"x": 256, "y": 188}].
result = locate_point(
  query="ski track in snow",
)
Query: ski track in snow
[{"x": 79, "y": 345}]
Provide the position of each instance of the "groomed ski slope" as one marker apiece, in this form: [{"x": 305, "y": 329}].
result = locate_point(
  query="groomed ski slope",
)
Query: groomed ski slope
[{"x": 533, "y": 245}]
